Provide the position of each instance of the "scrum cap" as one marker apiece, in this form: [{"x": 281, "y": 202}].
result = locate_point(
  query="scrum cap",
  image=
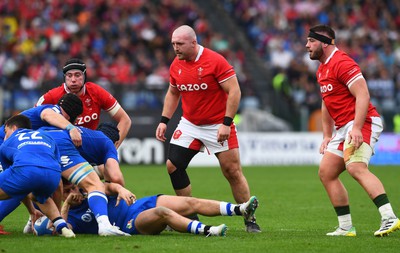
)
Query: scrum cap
[
  {"x": 75, "y": 63},
  {"x": 72, "y": 105},
  {"x": 110, "y": 130}
]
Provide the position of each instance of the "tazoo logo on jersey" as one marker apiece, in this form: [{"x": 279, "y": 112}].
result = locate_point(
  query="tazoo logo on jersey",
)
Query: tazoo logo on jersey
[
  {"x": 326, "y": 88},
  {"x": 87, "y": 118},
  {"x": 192, "y": 87}
]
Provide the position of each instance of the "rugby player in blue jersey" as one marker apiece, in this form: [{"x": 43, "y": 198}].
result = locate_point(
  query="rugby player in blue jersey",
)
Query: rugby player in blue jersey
[
  {"x": 150, "y": 215},
  {"x": 31, "y": 167},
  {"x": 62, "y": 115},
  {"x": 98, "y": 148},
  {"x": 75, "y": 168}
]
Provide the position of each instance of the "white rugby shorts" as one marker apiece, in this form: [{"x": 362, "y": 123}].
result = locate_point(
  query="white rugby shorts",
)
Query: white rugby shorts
[
  {"x": 371, "y": 131},
  {"x": 198, "y": 138}
]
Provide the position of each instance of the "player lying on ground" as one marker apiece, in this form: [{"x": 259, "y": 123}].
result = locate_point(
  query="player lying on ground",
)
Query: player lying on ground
[{"x": 150, "y": 215}]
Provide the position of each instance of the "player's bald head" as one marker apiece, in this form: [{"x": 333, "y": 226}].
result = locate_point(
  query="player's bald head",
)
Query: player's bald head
[
  {"x": 184, "y": 42},
  {"x": 184, "y": 31}
]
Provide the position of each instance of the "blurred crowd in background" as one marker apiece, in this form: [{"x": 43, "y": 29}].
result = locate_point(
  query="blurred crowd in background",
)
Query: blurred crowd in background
[
  {"x": 367, "y": 30},
  {"x": 127, "y": 50}
]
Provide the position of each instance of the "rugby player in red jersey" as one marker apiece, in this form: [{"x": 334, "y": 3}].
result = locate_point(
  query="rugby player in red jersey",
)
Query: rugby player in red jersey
[
  {"x": 93, "y": 96},
  {"x": 210, "y": 93},
  {"x": 347, "y": 110}
]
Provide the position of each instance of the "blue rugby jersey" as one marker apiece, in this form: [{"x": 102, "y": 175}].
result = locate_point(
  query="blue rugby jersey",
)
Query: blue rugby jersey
[
  {"x": 122, "y": 216},
  {"x": 34, "y": 115},
  {"x": 96, "y": 147},
  {"x": 27, "y": 147}
]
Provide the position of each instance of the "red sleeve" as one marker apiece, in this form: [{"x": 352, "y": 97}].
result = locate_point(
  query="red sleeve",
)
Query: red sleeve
[
  {"x": 105, "y": 99},
  {"x": 49, "y": 97},
  {"x": 223, "y": 70},
  {"x": 348, "y": 70}
]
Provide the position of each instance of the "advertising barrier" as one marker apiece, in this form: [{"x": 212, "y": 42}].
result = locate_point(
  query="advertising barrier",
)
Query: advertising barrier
[
  {"x": 387, "y": 150},
  {"x": 283, "y": 148}
]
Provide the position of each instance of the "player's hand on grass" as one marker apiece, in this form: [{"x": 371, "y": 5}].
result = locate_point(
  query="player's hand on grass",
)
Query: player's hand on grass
[{"x": 35, "y": 214}]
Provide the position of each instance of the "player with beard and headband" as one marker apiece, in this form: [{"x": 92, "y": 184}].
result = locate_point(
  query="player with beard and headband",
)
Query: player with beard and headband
[
  {"x": 93, "y": 96},
  {"x": 346, "y": 109},
  {"x": 210, "y": 93}
]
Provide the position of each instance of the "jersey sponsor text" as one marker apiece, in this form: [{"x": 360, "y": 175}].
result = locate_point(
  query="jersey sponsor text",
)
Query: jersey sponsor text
[{"x": 192, "y": 87}]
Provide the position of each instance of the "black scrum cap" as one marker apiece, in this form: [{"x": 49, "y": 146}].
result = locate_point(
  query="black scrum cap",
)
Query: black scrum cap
[
  {"x": 75, "y": 63},
  {"x": 110, "y": 130},
  {"x": 72, "y": 105}
]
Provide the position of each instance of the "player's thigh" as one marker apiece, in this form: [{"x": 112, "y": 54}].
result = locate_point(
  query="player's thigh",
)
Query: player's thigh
[
  {"x": 229, "y": 161},
  {"x": 331, "y": 166},
  {"x": 84, "y": 176},
  {"x": 178, "y": 204},
  {"x": 150, "y": 222},
  {"x": 91, "y": 183}
]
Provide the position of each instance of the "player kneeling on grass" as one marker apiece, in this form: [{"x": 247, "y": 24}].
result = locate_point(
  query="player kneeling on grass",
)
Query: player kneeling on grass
[
  {"x": 97, "y": 147},
  {"x": 32, "y": 168},
  {"x": 150, "y": 215},
  {"x": 78, "y": 171}
]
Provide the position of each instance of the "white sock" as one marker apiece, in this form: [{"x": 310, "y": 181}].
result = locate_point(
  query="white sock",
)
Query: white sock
[
  {"x": 386, "y": 211},
  {"x": 345, "y": 221},
  {"x": 195, "y": 227},
  {"x": 228, "y": 209}
]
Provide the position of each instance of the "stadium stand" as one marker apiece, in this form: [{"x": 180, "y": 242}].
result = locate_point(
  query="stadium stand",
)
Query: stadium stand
[{"x": 126, "y": 45}]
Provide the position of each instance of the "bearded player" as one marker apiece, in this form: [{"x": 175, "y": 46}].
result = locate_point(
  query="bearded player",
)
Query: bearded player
[{"x": 346, "y": 108}]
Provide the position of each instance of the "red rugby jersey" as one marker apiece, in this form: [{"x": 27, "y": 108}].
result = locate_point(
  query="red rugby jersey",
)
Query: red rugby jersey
[
  {"x": 203, "y": 99},
  {"x": 334, "y": 77},
  {"x": 94, "y": 99}
]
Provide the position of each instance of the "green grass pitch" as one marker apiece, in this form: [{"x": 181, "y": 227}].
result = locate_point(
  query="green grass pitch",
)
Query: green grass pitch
[{"x": 294, "y": 214}]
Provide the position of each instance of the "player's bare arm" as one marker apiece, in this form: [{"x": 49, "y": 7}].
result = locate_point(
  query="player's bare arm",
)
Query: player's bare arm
[
  {"x": 73, "y": 198},
  {"x": 58, "y": 195},
  {"x": 124, "y": 125},
  {"x": 327, "y": 128},
  {"x": 231, "y": 87},
  {"x": 33, "y": 212},
  {"x": 171, "y": 102},
  {"x": 112, "y": 172},
  {"x": 57, "y": 120},
  {"x": 122, "y": 192},
  {"x": 359, "y": 90}
]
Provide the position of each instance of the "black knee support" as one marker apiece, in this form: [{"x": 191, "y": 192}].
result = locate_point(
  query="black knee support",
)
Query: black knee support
[
  {"x": 179, "y": 179},
  {"x": 180, "y": 157}
]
